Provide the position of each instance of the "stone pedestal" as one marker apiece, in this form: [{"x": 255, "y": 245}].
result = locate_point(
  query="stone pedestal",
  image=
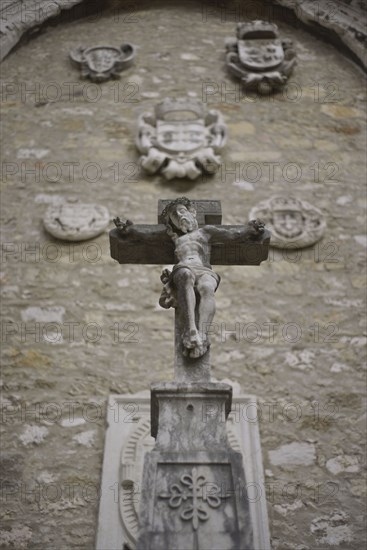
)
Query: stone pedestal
[
  {"x": 128, "y": 441},
  {"x": 194, "y": 500},
  {"x": 190, "y": 416},
  {"x": 194, "y": 493}
]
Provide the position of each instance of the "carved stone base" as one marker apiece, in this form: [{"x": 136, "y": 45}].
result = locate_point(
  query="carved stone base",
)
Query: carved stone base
[
  {"x": 128, "y": 441},
  {"x": 196, "y": 501},
  {"x": 194, "y": 492}
]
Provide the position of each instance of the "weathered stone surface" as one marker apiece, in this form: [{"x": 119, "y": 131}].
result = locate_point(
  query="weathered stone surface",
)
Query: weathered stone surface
[
  {"x": 294, "y": 453},
  {"x": 347, "y": 18},
  {"x": 73, "y": 221},
  {"x": 33, "y": 435},
  {"x": 343, "y": 463},
  {"x": 17, "y": 17},
  {"x": 332, "y": 529},
  {"x": 17, "y": 537},
  {"x": 134, "y": 347}
]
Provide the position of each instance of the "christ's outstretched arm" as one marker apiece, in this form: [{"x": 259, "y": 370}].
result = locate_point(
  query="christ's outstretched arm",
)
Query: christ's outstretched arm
[
  {"x": 128, "y": 229},
  {"x": 222, "y": 234}
]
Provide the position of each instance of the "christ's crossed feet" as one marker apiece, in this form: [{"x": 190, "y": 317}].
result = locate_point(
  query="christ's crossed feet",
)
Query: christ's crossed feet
[{"x": 194, "y": 344}]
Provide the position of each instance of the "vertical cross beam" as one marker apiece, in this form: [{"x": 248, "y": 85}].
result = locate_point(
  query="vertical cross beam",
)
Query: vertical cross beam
[{"x": 187, "y": 369}]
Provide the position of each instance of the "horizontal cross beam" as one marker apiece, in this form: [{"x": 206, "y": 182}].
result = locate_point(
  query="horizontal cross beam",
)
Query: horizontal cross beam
[{"x": 156, "y": 247}]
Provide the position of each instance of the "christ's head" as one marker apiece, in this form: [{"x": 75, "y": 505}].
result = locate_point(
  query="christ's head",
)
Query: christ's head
[{"x": 181, "y": 214}]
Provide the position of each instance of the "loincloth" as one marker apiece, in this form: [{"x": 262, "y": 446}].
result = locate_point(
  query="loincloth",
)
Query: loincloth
[
  {"x": 197, "y": 270},
  {"x": 168, "y": 295}
]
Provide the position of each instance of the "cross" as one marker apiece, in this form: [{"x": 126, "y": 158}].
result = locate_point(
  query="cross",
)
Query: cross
[{"x": 192, "y": 233}]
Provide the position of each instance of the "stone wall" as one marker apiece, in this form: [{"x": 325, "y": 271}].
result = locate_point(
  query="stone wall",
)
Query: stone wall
[
  {"x": 77, "y": 326},
  {"x": 343, "y": 21},
  {"x": 18, "y": 17}
]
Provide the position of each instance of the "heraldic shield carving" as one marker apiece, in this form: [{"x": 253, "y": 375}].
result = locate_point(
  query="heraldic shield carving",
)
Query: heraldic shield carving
[
  {"x": 180, "y": 139},
  {"x": 259, "y": 58},
  {"x": 293, "y": 223},
  {"x": 100, "y": 63}
]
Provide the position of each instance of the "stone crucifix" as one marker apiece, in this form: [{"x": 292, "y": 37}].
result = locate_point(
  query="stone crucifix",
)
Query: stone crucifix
[
  {"x": 191, "y": 233},
  {"x": 192, "y": 454}
]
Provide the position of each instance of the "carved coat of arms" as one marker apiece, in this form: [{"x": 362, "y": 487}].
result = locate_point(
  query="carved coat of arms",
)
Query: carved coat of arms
[
  {"x": 180, "y": 139},
  {"x": 259, "y": 57},
  {"x": 293, "y": 223},
  {"x": 100, "y": 63}
]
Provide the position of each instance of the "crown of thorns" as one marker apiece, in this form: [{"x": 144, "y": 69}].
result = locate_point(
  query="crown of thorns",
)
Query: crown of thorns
[{"x": 182, "y": 200}]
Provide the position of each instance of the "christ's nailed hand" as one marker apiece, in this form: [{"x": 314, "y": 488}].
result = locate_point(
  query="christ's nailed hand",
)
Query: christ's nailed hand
[
  {"x": 122, "y": 226},
  {"x": 257, "y": 227}
]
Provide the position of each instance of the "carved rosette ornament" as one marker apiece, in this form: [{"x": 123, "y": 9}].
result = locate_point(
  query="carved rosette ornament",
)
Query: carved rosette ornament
[
  {"x": 293, "y": 223},
  {"x": 259, "y": 57},
  {"x": 180, "y": 139},
  {"x": 100, "y": 63}
]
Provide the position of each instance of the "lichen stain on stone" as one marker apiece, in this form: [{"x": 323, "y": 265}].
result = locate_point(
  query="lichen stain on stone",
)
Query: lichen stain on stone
[
  {"x": 17, "y": 537},
  {"x": 347, "y": 130},
  {"x": 295, "y": 453},
  {"x": 34, "y": 359},
  {"x": 343, "y": 463},
  {"x": 33, "y": 435},
  {"x": 86, "y": 438},
  {"x": 332, "y": 529},
  {"x": 341, "y": 111}
]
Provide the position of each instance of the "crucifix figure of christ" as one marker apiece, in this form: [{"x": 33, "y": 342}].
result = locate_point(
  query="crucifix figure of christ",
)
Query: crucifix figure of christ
[{"x": 191, "y": 284}]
